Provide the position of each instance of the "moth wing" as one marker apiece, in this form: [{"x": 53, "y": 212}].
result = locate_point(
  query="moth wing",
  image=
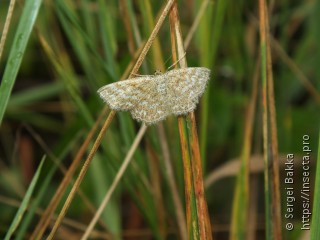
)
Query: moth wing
[
  {"x": 124, "y": 95},
  {"x": 186, "y": 86},
  {"x": 140, "y": 96},
  {"x": 150, "y": 112},
  {"x": 153, "y": 105}
]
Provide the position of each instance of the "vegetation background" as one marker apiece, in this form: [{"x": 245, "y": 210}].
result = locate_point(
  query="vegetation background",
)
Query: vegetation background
[{"x": 75, "y": 47}]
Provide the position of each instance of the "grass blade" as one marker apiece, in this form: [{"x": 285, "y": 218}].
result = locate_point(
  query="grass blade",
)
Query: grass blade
[
  {"x": 241, "y": 198},
  {"x": 202, "y": 217},
  {"x": 315, "y": 230},
  {"x": 24, "y": 203},
  {"x": 272, "y": 188},
  {"x": 27, "y": 20},
  {"x": 6, "y": 26}
]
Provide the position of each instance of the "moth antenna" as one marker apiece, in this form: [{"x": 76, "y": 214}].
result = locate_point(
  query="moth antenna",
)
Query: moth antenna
[{"x": 177, "y": 61}]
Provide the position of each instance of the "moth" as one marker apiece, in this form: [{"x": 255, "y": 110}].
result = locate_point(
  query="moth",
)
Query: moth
[{"x": 151, "y": 98}]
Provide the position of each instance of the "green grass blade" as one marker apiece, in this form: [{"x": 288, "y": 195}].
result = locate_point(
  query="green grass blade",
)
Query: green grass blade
[
  {"x": 107, "y": 27},
  {"x": 36, "y": 94},
  {"x": 61, "y": 150},
  {"x": 27, "y": 20},
  {"x": 315, "y": 230},
  {"x": 209, "y": 40},
  {"x": 24, "y": 203},
  {"x": 111, "y": 214},
  {"x": 191, "y": 208}
]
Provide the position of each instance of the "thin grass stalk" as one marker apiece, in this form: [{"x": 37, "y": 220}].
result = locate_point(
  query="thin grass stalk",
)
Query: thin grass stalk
[
  {"x": 157, "y": 57},
  {"x": 239, "y": 221},
  {"x": 152, "y": 37},
  {"x": 265, "y": 116},
  {"x": 156, "y": 188},
  {"x": 6, "y": 26},
  {"x": 126, "y": 22},
  {"x": 48, "y": 213},
  {"x": 206, "y": 56},
  {"x": 66, "y": 221},
  {"x": 84, "y": 46},
  {"x": 45, "y": 220},
  {"x": 115, "y": 181},
  {"x": 108, "y": 43},
  {"x": 210, "y": 31},
  {"x": 191, "y": 212},
  {"x": 195, "y": 24},
  {"x": 305, "y": 81},
  {"x": 157, "y": 60},
  {"x": 36, "y": 201},
  {"x": 79, "y": 101},
  {"x": 296, "y": 70},
  {"x": 252, "y": 182},
  {"x": 89, "y": 24},
  {"x": 181, "y": 221},
  {"x": 272, "y": 194},
  {"x": 253, "y": 202},
  {"x": 315, "y": 230},
  {"x": 205, "y": 231},
  {"x": 196, "y": 164},
  {"x": 276, "y": 198},
  {"x": 62, "y": 168},
  {"x": 82, "y": 173},
  {"x": 24, "y": 204},
  {"x": 25, "y": 26},
  {"x": 62, "y": 66},
  {"x": 109, "y": 119},
  {"x": 134, "y": 24}
]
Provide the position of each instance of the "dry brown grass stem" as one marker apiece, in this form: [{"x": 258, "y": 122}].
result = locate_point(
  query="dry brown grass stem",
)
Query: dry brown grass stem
[
  {"x": 186, "y": 171},
  {"x": 48, "y": 213},
  {"x": 152, "y": 37},
  {"x": 81, "y": 174},
  {"x": 296, "y": 70},
  {"x": 181, "y": 220},
  {"x": 264, "y": 100},
  {"x": 195, "y": 24},
  {"x": 276, "y": 205},
  {"x": 305, "y": 81},
  {"x": 232, "y": 166},
  {"x": 183, "y": 141},
  {"x": 108, "y": 121},
  {"x": 115, "y": 182},
  {"x": 196, "y": 165},
  {"x": 126, "y": 21},
  {"x": 242, "y": 192},
  {"x": 269, "y": 129},
  {"x": 201, "y": 203},
  {"x": 67, "y": 222},
  {"x": 6, "y": 26},
  {"x": 45, "y": 219}
]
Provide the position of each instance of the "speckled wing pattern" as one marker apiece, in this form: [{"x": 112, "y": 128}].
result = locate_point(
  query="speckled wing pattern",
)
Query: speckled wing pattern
[{"x": 152, "y": 98}]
